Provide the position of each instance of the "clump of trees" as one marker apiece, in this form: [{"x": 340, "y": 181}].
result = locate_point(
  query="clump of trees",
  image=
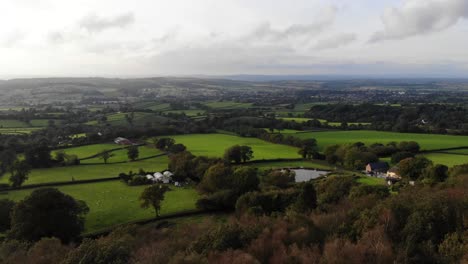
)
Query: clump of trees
[
  {"x": 238, "y": 154},
  {"x": 356, "y": 156}
]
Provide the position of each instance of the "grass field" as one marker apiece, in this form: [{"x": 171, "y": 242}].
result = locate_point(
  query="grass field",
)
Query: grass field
[
  {"x": 7, "y": 123},
  {"x": 228, "y": 105},
  {"x": 18, "y": 131},
  {"x": 371, "y": 180},
  {"x": 214, "y": 145},
  {"x": 87, "y": 172},
  {"x": 426, "y": 141},
  {"x": 139, "y": 119},
  {"x": 457, "y": 151},
  {"x": 121, "y": 155},
  {"x": 188, "y": 112},
  {"x": 114, "y": 202},
  {"x": 449, "y": 160},
  {"x": 89, "y": 150},
  {"x": 323, "y": 121},
  {"x": 284, "y": 131},
  {"x": 292, "y": 164}
]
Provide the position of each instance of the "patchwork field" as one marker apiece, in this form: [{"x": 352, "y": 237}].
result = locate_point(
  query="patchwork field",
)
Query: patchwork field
[
  {"x": 121, "y": 155},
  {"x": 449, "y": 160},
  {"x": 292, "y": 164},
  {"x": 89, "y": 150},
  {"x": 214, "y": 145},
  {"x": 426, "y": 141},
  {"x": 139, "y": 119},
  {"x": 228, "y": 105},
  {"x": 114, "y": 202},
  {"x": 87, "y": 172},
  {"x": 323, "y": 121}
]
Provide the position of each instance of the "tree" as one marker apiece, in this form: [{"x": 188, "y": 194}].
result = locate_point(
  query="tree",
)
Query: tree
[
  {"x": 48, "y": 213},
  {"x": 216, "y": 178},
  {"x": 60, "y": 156},
  {"x": 279, "y": 178},
  {"x": 412, "y": 168},
  {"x": 133, "y": 153},
  {"x": 153, "y": 196},
  {"x": 164, "y": 143},
  {"x": 399, "y": 156},
  {"x": 106, "y": 155},
  {"x": 307, "y": 198},
  {"x": 6, "y": 206},
  {"x": 7, "y": 158},
  {"x": 246, "y": 153},
  {"x": 308, "y": 148},
  {"x": 176, "y": 148},
  {"x": 38, "y": 155},
  {"x": 245, "y": 179},
  {"x": 19, "y": 173},
  {"x": 233, "y": 154}
]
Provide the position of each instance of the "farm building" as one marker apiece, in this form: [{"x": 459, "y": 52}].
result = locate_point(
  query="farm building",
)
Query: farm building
[
  {"x": 393, "y": 174},
  {"x": 377, "y": 167},
  {"x": 123, "y": 141}
]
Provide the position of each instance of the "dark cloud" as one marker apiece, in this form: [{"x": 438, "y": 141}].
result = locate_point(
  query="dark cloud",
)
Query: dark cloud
[
  {"x": 94, "y": 23},
  {"x": 417, "y": 17}
]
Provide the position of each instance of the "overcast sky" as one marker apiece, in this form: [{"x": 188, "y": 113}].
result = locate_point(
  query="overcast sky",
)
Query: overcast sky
[{"x": 218, "y": 37}]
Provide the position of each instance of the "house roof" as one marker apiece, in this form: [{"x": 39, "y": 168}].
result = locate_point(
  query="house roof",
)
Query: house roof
[{"x": 378, "y": 165}]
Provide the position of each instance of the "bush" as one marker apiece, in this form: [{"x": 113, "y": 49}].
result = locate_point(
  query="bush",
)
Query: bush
[{"x": 225, "y": 199}]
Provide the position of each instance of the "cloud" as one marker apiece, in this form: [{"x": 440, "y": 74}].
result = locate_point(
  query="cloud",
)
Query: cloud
[
  {"x": 265, "y": 32},
  {"x": 418, "y": 17},
  {"x": 12, "y": 39},
  {"x": 93, "y": 23},
  {"x": 335, "y": 41}
]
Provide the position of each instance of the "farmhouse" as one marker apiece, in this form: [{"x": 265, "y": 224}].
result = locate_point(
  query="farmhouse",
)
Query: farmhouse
[
  {"x": 377, "y": 167},
  {"x": 393, "y": 173}
]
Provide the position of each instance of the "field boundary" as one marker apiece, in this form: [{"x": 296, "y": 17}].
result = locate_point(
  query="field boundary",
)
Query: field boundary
[
  {"x": 120, "y": 162},
  {"x": 110, "y": 150},
  {"x": 63, "y": 183},
  {"x": 444, "y": 149}
]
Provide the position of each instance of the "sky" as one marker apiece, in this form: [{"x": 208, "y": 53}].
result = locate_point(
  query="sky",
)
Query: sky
[{"x": 141, "y": 38}]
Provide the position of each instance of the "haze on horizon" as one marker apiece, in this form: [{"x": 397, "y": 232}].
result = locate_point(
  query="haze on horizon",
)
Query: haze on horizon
[{"x": 307, "y": 37}]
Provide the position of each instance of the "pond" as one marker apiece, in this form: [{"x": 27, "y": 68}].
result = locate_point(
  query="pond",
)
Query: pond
[{"x": 303, "y": 175}]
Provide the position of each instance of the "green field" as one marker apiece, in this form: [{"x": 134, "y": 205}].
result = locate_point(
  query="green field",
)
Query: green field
[
  {"x": 371, "y": 180},
  {"x": 87, "y": 172},
  {"x": 284, "y": 131},
  {"x": 426, "y": 141},
  {"x": 296, "y": 119},
  {"x": 214, "y": 145},
  {"x": 152, "y": 106},
  {"x": 316, "y": 164},
  {"x": 188, "y": 112},
  {"x": 121, "y": 155},
  {"x": 228, "y": 105},
  {"x": 139, "y": 119},
  {"x": 18, "y": 131},
  {"x": 457, "y": 151},
  {"x": 449, "y": 160},
  {"x": 7, "y": 123},
  {"x": 89, "y": 150},
  {"x": 323, "y": 121},
  {"x": 114, "y": 202}
]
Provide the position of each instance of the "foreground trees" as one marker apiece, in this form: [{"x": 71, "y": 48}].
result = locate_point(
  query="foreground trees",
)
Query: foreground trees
[{"x": 48, "y": 213}]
